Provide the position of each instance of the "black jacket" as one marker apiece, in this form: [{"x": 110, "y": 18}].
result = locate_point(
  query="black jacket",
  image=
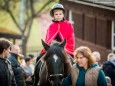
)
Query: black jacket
[
  {"x": 18, "y": 72},
  {"x": 6, "y": 73},
  {"x": 109, "y": 70}
]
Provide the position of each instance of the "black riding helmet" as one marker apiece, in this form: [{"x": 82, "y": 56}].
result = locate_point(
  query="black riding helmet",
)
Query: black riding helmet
[{"x": 57, "y": 6}]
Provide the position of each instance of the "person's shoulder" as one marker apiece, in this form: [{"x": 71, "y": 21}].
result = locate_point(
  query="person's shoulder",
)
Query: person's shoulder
[
  {"x": 95, "y": 66},
  {"x": 12, "y": 59},
  {"x": 66, "y": 21},
  {"x": 1, "y": 60},
  {"x": 8, "y": 61},
  {"x": 69, "y": 24},
  {"x": 52, "y": 23},
  {"x": 107, "y": 63}
]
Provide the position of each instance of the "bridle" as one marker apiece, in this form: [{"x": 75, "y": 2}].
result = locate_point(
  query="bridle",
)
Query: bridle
[
  {"x": 55, "y": 75},
  {"x": 50, "y": 76}
]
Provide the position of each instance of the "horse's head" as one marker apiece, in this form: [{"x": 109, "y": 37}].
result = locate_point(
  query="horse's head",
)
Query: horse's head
[{"x": 55, "y": 59}]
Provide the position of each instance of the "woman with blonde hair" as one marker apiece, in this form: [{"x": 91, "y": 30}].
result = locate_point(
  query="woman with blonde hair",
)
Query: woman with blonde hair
[{"x": 85, "y": 72}]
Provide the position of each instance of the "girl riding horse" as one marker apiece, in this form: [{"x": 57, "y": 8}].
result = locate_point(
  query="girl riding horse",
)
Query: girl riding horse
[{"x": 59, "y": 30}]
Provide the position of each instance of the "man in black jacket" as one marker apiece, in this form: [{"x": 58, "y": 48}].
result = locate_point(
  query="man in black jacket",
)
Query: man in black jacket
[
  {"x": 109, "y": 68},
  {"x": 18, "y": 71},
  {"x": 6, "y": 73}
]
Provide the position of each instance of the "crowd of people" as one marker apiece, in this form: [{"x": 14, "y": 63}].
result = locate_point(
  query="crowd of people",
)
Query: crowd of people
[
  {"x": 15, "y": 68},
  {"x": 87, "y": 70}
]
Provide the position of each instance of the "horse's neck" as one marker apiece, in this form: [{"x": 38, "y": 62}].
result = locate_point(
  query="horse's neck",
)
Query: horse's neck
[
  {"x": 67, "y": 68},
  {"x": 42, "y": 59}
]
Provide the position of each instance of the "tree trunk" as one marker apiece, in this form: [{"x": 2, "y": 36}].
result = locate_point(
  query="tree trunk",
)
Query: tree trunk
[{"x": 24, "y": 46}]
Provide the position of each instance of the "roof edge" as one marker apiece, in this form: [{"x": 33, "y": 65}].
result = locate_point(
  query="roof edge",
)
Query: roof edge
[{"x": 93, "y": 4}]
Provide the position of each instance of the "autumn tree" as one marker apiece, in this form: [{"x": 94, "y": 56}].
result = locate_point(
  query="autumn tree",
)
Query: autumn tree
[{"x": 23, "y": 12}]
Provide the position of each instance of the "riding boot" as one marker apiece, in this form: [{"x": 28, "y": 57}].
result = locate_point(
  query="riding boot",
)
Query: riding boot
[{"x": 39, "y": 56}]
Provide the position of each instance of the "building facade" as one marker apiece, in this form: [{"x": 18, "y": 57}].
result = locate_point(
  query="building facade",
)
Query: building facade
[{"x": 94, "y": 24}]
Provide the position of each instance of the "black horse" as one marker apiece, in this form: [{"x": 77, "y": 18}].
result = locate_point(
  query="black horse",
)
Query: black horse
[{"x": 53, "y": 66}]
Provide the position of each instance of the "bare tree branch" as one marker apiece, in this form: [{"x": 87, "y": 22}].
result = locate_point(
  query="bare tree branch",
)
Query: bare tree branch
[
  {"x": 27, "y": 7},
  {"x": 6, "y": 5},
  {"x": 45, "y": 5},
  {"x": 30, "y": 15},
  {"x": 36, "y": 14},
  {"x": 14, "y": 20},
  {"x": 31, "y": 21}
]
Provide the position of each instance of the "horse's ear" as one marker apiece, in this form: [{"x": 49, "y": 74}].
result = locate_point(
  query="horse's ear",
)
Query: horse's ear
[
  {"x": 45, "y": 45},
  {"x": 63, "y": 43}
]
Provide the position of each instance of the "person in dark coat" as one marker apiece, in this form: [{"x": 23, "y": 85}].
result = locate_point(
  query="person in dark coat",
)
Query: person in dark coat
[
  {"x": 6, "y": 73},
  {"x": 109, "y": 68},
  {"x": 18, "y": 71}
]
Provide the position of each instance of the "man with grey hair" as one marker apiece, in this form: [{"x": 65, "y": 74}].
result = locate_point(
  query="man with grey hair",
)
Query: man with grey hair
[
  {"x": 18, "y": 72},
  {"x": 97, "y": 57}
]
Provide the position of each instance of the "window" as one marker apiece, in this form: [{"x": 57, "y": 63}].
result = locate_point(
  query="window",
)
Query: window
[
  {"x": 113, "y": 35},
  {"x": 70, "y": 17}
]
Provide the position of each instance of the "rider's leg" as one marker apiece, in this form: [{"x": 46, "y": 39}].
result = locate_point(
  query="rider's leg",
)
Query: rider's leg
[
  {"x": 71, "y": 59},
  {"x": 39, "y": 56}
]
